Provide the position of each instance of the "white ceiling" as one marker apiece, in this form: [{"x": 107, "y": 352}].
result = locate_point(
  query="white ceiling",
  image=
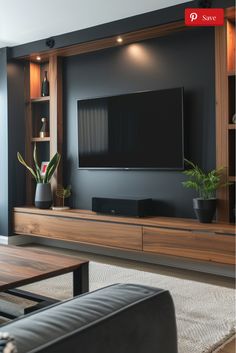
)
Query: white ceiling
[{"x": 29, "y": 20}]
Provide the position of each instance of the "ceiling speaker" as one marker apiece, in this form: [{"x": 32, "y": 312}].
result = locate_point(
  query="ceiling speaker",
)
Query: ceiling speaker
[
  {"x": 50, "y": 42},
  {"x": 205, "y": 3}
]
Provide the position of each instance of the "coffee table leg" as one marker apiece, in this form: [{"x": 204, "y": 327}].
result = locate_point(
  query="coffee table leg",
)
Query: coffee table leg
[{"x": 80, "y": 280}]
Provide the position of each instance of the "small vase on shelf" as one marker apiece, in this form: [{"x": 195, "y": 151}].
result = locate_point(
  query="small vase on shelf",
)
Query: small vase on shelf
[{"x": 45, "y": 86}]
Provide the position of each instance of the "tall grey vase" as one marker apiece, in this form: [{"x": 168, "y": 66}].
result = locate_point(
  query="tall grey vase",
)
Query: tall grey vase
[{"x": 43, "y": 195}]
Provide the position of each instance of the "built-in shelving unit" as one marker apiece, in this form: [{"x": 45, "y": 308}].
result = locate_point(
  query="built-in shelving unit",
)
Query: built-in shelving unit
[
  {"x": 225, "y": 110},
  {"x": 38, "y": 107}
]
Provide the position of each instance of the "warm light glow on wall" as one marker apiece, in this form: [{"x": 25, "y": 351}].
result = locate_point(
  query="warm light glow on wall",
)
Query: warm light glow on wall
[
  {"x": 38, "y": 58},
  {"x": 119, "y": 40},
  {"x": 140, "y": 55}
]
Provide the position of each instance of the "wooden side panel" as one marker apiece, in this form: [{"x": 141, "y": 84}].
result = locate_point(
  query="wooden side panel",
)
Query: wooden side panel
[
  {"x": 56, "y": 116},
  {"x": 29, "y": 89},
  {"x": 198, "y": 246},
  {"x": 76, "y": 230},
  {"x": 230, "y": 46},
  {"x": 35, "y": 81},
  {"x": 221, "y": 118}
]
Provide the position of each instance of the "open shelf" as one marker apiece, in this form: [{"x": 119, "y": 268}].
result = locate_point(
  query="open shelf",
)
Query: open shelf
[
  {"x": 36, "y": 108},
  {"x": 40, "y": 99},
  {"x": 40, "y": 139},
  {"x": 232, "y": 179},
  {"x": 232, "y": 126}
]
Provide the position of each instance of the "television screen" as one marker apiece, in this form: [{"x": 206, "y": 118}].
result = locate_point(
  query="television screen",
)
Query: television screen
[{"x": 141, "y": 130}]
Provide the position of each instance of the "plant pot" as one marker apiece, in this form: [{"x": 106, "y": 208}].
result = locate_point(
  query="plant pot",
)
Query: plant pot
[
  {"x": 204, "y": 209},
  {"x": 43, "y": 196}
]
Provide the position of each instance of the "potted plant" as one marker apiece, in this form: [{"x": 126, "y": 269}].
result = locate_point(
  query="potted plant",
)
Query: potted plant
[
  {"x": 43, "y": 194},
  {"x": 62, "y": 193},
  {"x": 206, "y": 185}
]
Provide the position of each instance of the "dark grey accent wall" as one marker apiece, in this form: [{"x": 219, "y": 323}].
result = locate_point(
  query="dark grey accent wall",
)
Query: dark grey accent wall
[
  {"x": 12, "y": 136},
  {"x": 4, "y": 213},
  {"x": 16, "y": 130},
  {"x": 182, "y": 59}
]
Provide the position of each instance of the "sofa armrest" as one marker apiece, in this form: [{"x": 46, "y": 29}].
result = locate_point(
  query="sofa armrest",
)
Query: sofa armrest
[{"x": 122, "y": 318}]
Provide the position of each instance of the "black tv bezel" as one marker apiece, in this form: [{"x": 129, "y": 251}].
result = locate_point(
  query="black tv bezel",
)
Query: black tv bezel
[{"x": 181, "y": 168}]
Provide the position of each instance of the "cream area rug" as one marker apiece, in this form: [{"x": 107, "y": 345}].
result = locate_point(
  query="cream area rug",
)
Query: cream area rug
[{"x": 205, "y": 313}]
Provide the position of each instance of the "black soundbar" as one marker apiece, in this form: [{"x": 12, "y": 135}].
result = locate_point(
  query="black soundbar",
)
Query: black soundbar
[{"x": 124, "y": 207}]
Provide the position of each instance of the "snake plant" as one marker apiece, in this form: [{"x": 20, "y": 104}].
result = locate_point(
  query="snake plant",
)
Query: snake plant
[{"x": 36, "y": 172}]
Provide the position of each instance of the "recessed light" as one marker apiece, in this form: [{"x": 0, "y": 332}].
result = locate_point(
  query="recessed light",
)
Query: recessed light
[
  {"x": 38, "y": 58},
  {"x": 119, "y": 39}
]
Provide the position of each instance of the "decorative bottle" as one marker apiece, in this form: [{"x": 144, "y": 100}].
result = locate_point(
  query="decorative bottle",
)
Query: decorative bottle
[
  {"x": 45, "y": 85},
  {"x": 43, "y": 131}
]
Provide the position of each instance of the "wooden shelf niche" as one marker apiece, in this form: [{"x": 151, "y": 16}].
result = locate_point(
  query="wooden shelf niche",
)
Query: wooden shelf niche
[
  {"x": 38, "y": 107},
  {"x": 225, "y": 110}
]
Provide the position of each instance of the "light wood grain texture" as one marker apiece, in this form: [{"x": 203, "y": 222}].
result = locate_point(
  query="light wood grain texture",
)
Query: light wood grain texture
[
  {"x": 163, "y": 222},
  {"x": 35, "y": 82},
  {"x": 21, "y": 266},
  {"x": 200, "y": 246},
  {"x": 160, "y": 235},
  {"x": 56, "y": 117},
  {"x": 230, "y": 13},
  {"x": 76, "y": 230},
  {"x": 222, "y": 117},
  {"x": 28, "y": 132},
  {"x": 229, "y": 347},
  {"x": 230, "y": 46}
]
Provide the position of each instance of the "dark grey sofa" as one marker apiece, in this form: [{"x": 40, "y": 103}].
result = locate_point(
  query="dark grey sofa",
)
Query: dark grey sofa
[{"x": 122, "y": 318}]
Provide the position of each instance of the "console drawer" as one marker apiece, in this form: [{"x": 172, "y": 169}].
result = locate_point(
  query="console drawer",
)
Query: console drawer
[
  {"x": 77, "y": 230},
  {"x": 195, "y": 245}
]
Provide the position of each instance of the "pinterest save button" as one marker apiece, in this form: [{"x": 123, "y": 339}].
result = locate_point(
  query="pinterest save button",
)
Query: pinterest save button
[{"x": 204, "y": 17}]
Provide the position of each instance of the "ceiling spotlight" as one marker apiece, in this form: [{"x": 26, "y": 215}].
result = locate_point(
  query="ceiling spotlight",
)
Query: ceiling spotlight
[
  {"x": 119, "y": 40},
  {"x": 38, "y": 58}
]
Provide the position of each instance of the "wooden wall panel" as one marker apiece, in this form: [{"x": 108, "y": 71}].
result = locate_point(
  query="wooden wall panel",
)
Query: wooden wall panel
[
  {"x": 56, "y": 116},
  {"x": 30, "y": 90},
  {"x": 230, "y": 46},
  {"x": 221, "y": 118},
  {"x": 199, "y": 246},
  {"x": 35, "y": 81}
]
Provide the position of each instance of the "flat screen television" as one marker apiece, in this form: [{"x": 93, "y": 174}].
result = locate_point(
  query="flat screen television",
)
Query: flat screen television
[{"x": 142, "y": 130}]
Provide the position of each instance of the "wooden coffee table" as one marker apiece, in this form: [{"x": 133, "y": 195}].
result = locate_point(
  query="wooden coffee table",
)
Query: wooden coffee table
[{"x": 20, "y": 266}]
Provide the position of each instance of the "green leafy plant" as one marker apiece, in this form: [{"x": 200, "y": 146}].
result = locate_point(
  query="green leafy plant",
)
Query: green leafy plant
[
  {"x": 36, "y": 172},
  {"x": 204, "y": 183},
  {"x": 63, "y": 193}
]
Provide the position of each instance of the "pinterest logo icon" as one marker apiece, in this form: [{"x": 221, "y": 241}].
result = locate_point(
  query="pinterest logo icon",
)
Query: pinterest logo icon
[{"x": 193, "y": 16}]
